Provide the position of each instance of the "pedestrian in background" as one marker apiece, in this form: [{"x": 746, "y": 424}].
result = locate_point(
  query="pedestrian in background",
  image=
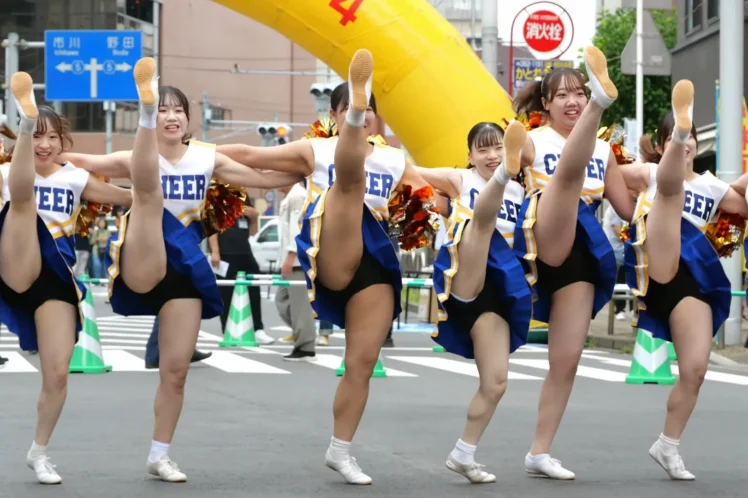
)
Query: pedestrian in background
[
  {"x": 232, "y": 246},
  {"x": 293, "y": 302},
  {"x": 99, "y": 241},
  {"x": 612, "y": 225}
]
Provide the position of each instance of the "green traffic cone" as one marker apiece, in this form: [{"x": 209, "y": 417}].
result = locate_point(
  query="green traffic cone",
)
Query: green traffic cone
[
  {"x": 671, "y": 352},
  {"x": 437, "y": 348},
  {"x": 87, "y": 355},
  {"x": 239, "y": 328},
  {"x": 341, "y": 369},
  {"x": 650, "y": 363},
  {"x": 378, "y": 372}
]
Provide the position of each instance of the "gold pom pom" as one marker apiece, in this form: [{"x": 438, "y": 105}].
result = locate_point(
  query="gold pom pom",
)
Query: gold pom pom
[
  {"x": 615, "y": 136},
  {"x": 224, "y": 204},
  {"x": 414, "y": 217},
  {"x": 726, "y": 234}
]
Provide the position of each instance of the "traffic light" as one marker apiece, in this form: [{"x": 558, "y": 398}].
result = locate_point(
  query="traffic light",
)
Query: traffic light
[
  {"x": 321, "y": 93},
  {"x": 274, "y": 133}
]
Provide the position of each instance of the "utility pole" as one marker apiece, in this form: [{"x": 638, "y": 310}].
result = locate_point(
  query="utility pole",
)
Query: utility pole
[
  {"x": 490, "y": 35},
  {"x": 729, "y": 169},
  {"x": 11, "y": 67},
  {"x": 206, "y": 116},
  {"x": 639, "y": 69}
]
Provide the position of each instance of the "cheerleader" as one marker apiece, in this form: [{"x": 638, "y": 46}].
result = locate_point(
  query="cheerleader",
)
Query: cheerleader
[
  {"x": 40, "y": 298},
  {"x": 157, "y": 266},
  {"x": 485, "y": 301},
  {"x": 568, "y": 260},
  {"x": 672, "y": 268},
  {"x": 352, "y": 269}
]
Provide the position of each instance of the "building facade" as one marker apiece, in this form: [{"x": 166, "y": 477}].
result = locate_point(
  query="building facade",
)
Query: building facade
[
  {"x": 696, "y": 57},
  {"x": 213, "y": 59}
]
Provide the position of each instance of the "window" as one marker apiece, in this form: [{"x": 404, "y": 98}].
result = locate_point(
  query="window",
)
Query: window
[
  {"x": 220, "y": 113},
  {"x": 140, "y": 9},
  {"x": 712, "y": 9},
  {"x": 270, "y": 234},
  {"x": 693, "y": 15}
]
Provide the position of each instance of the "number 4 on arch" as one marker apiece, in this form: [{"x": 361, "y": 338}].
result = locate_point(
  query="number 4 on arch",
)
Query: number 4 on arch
[{"x": 347, "y": 14}]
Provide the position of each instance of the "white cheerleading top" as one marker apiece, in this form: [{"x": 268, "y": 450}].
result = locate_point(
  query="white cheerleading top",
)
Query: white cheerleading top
[
  {"x": 185, "y": 184},
  {"x": 703, "y": 196},
  {"x": 58, "y": 199},
  {"x": 384, "y": 169},
  {"x": 548, "y": 146},
  {"x": 472, "y": 185}
]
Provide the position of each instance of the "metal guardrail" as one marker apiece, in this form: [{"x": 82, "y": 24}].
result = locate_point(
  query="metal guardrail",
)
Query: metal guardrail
[{"x": 620, "y": 291}]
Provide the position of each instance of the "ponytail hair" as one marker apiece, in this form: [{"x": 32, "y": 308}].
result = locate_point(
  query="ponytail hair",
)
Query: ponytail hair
[
  {"x": 530, "y": 98},
  {"x": 647, "y": 149},
  {"x": 6, "y": 153},
  {"x": 648, "y": 143}
]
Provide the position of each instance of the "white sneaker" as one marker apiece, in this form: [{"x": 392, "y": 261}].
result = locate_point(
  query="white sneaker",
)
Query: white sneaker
[
  {"x": 673, "y": 464},
  {"x": 545, "y": 466},
  {"x": 473, "y": 471},
  {"x": 166, "y": 470},
  {"x": 261, "y": 337},
  {"x": 349, "y": 469},
  {"x": 45, "y": 471}
]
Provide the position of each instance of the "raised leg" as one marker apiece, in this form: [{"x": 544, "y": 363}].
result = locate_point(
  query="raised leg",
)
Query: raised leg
[
  {"x": 21, "y": 262},
  {"x": 144, "y": 251},
  {"x": 341, "y": 245},
  {"x": 476, "y": 238},
  {"x": 555, "y": 227},
  {"x": 663, "y": 221}
]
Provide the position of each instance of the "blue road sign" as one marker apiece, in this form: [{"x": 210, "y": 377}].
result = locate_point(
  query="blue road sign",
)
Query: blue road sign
[{"x": 91, "y": 65}]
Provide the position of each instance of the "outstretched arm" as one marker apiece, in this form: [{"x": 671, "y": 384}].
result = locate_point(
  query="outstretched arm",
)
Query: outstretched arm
[
  {"x": 448, "y": 180},
  {"x": 734, "y": 202},
  {"x": 617, "y": 191},
  {"x": 114, "y": 165},
  {"x": 741, "y": 184},
  {"x": 412, "y": 177},
  {"x": 294, "y": 157},
  {"x": 106, "y": 193},
  {"x": 230, "y": 171}
]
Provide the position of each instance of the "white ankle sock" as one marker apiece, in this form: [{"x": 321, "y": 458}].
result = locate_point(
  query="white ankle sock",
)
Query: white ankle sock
[
  {"x": 500, "y": 175},
  {"x": 355, "y": 118},
  {"x": 463, "y": 452},
  {"x": 669, "y": 446},
  {"x": 148, "y": 116},
  {"x": 37, "y": 451},
  {"x": 340, "y": 451},
  {"x": 27, "y": 126},
  {"x": 157, "y": 451},
  {"x": 680, "y": 137}
]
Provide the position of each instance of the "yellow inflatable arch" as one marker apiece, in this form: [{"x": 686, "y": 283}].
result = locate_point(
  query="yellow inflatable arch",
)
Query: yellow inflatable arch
[{"x": 430, "y": 86}]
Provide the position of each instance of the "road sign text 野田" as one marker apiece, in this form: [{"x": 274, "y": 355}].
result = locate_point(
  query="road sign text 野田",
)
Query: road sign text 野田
[{"x": 91, "y": 65}]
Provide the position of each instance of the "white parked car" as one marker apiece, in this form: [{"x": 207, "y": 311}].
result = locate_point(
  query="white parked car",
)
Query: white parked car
[{"x": 265, "y": 245}]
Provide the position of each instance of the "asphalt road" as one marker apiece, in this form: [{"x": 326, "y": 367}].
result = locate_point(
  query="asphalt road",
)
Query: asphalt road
[{"x": 255, "y": 425}]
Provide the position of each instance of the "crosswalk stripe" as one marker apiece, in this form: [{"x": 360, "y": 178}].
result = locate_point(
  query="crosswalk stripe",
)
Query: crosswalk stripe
[
  {"x": 332, "y": 361},
  {"x": 582, "y": 371},
  {"x": 720, "y": 377},
  {"x": 122, "y": 361},
  {"x": 232, "y": 363},
  {"x": 454, "y": 366},
  {"x": 16, "y": 364}
]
